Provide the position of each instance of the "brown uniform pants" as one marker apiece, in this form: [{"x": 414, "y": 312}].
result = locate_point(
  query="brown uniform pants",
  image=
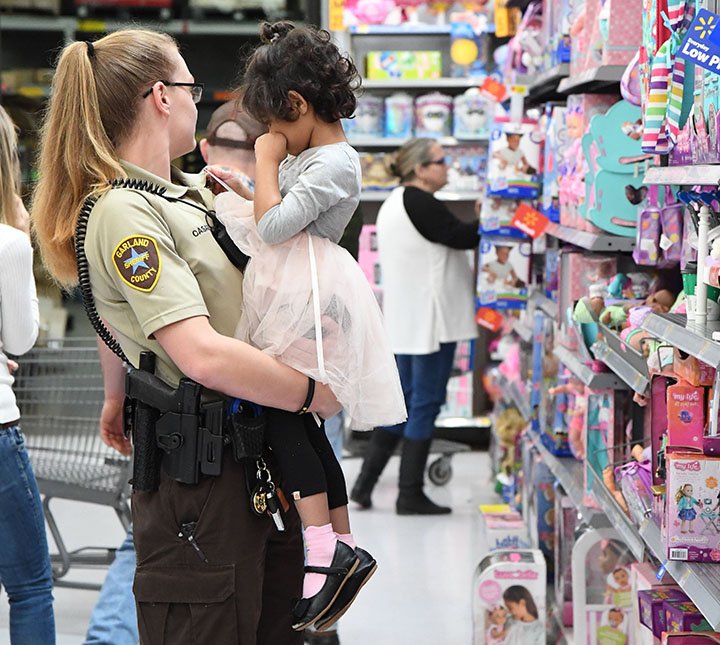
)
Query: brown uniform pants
[{"x": 243, "y": 595}]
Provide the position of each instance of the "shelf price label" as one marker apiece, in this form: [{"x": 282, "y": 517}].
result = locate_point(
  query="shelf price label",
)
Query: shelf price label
[
  {"x": 494, "y": 89},
  {"x": 489, "y": 319},
  {"x": 530, "y": 221}
]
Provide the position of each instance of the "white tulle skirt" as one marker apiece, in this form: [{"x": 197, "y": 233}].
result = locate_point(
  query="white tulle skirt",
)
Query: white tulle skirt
[{"x": 288, "y": 288}]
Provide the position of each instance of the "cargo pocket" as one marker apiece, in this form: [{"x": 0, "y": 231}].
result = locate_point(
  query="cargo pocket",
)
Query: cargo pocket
[{"x": 182, "y": 605}]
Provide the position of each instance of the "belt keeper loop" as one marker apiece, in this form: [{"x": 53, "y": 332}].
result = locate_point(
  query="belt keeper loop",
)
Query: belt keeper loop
[{"x": 308, "y": 399}]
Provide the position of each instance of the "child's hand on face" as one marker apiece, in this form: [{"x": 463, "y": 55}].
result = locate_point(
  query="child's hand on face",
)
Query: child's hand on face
[{"x": 271, "y": 146}]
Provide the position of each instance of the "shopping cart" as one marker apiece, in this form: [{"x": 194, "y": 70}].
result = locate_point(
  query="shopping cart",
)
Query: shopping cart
[{"x": 59, "y": 390}]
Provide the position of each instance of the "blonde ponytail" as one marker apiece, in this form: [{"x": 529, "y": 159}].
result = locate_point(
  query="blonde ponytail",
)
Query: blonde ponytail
[
  {"x": 93, "y": 108},
  {"x": 413, "y": 153},
  {"x": 9, "y": 167}
]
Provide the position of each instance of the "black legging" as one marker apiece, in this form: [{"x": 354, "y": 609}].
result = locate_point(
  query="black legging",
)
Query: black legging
[{"x": 305, "y": 457}]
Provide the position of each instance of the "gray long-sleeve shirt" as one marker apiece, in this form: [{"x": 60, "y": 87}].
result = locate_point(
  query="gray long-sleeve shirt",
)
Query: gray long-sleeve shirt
[{"x": 320, "y": 191}]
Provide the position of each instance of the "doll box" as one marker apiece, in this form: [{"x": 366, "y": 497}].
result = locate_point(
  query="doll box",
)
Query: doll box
[
  {"x": 505, "y": 530},
  {"x": 692, "y": 523},
  {"x": 509, "y": 598},
  {"x": 691, "y": 638},
  {"x": 684, "y": 616},
  {"x": 504, "y": 270},
  {"x": 685, "y": 415},
  {"x": 407, "y": 65},
  {"x": 692, "y": 370},
  {"x": 514, "y": 161},
  {"x": 650, "y": 605}
]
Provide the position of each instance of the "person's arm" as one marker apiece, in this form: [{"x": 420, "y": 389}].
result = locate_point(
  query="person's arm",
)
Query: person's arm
[
  {"x": 19, "y": 309},
  {"x": 237, "y": 369},
  {"x": 111, "y": 417},
  {"x": 436, "y": 223},
  {"x": 326, "y": 180},
  {"x": 270, "y": 150}
]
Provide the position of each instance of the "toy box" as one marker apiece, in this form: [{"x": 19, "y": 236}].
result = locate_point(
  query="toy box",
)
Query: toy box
[
  {"x": 399, "y": 118},
  {"x": 472, "y": 115},
  {"x": 469, "y": 45},
  {"x": 368, "y": 256},
  {"x": 556, "y": 143},
  {"x": 433, "y": 115},
  {"x": 407, "y": 65},
  {"x": 691, "y": 638},
  {"x": 504, "y": 272},
  {"x": 467, "y": 168},
  {"x": 369, "y": 117},
  {"x": 621, "y": 24},
  {"x": 685, "y": 415},
  {"x": 684, "y": 616},
  {"x": 692, "y": 370},
  {"x": 504, "y": 530},
  {"x": 643, "y": 577},
  {"x": 650, "y": 606},
  {"x": 509, "y": 598},
  {"x": 496, "y": 215},
  {"x": 375, "y": 175},
  {"x": 692, "y": 523},
  {"x": 514, "y": 161},
  {"x": 552, "y": 273},
  {"x": 602, "y": 595},
  {"x": 565, "y": 524}
]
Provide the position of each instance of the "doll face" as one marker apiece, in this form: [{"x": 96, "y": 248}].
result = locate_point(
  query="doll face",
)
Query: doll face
[
  {"x": 661, "y": 301},
  {"x": 503, "y": 254},
  {"x": 513, "y": 141},
  {"x": 517, "y": 609},
  {"x": 615, "y": 618},
  {"x": 498, "y": 616},
  {"x": 687, "y": 490},
  {"x": 621, "y": 577}
]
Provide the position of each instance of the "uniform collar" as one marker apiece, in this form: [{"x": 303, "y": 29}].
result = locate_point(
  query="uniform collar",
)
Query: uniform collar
[{"x": 181, "y": 185}]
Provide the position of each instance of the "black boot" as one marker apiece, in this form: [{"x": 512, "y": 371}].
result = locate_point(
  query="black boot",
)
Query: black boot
[
  {"x": 411, "y": 499},
  {"x": 380, "y": 448}
]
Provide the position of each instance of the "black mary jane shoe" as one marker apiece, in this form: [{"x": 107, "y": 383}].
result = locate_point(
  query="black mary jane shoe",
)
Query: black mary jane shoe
[
  {"x": 365, "y": 569},
  {"x": 307, "y": 610}
]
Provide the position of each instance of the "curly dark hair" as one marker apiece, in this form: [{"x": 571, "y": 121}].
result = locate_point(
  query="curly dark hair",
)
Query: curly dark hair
[{"x": 303, "y": 59}]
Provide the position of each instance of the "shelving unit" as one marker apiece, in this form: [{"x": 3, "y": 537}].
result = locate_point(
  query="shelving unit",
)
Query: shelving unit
[
  {"x": 601, "y": 79},
  {"x": 545, "y": 86},
  {"x": 593, "y": 380},
  {"x": 384, "y": 142},
  {"x": 706, "y": 175},
  {"x": 422, "y": 84},
  {"x": 591, "y": 241},
  {"x": 547, "y": 306},
  {"x": 522, "y": 330},
  {"x": 444, "y": 196},
  {"x": 690, "y": 337},
  {"x": 629, "y": 364}
]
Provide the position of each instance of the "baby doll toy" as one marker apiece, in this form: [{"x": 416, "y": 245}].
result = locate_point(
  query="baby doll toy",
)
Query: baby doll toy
[{"x": 497, "y": 621}]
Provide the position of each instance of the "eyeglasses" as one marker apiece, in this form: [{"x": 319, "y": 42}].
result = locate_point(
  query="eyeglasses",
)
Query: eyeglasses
[
  {"x": 436, "y": 162},
  {"x": 196, "y": 89}
]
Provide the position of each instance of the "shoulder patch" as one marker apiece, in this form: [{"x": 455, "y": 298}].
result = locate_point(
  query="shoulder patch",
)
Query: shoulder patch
[{"x": 137, "y": 261}]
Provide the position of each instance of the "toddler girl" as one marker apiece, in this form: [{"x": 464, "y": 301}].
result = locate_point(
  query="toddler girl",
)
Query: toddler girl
[{"x": 305, "y": 300}]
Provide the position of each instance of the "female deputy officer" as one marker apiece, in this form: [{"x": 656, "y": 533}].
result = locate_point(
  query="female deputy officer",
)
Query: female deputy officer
[{"x": 209, "y": 571}]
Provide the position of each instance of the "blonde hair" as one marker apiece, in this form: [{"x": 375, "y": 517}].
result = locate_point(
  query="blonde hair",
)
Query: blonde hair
[
  {"x": 9, "y": 167},
  {"x": 413, "y": 153},
  {"x": 96, "y": 93},
  {"x": 681, "y": 492}
]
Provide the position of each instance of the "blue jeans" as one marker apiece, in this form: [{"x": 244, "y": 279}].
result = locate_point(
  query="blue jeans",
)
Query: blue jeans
[
  {"x": 25, "y": 570},
  {"x": 424, "y": 379},
  {"x": 114, "y": 619},
  {"x": 334, "y": 432}
]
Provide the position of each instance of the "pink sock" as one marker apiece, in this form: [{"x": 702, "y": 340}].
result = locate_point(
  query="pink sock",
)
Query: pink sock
[
  {"x": 347, "y": 538},
  {"x": 320, "y": 544}
]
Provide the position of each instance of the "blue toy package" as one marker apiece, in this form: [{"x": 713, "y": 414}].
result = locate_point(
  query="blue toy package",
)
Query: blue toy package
[
  {"x": 399, "y": 119},
  {"x": 472, "y": 114},
  {"x": 468, "y": 47},
  {"x": 514, "y": 162},
  {"x": 556, "y": 145},
  {"x": 503, "y": 272},
  {"x": 368, "y": 120},
  {"x": 536, "y": 392},
  {"x": 467, "y": 168},
  {"x": 496, "y": 215},
  {"x": 552, "y": 273},
  {"x": 544, "y": 482}
]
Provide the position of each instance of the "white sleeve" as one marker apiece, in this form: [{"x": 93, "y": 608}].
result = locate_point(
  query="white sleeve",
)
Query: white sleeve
[
  {"x": 320, "y": 186},
  {"x": 19, "y": 311}
]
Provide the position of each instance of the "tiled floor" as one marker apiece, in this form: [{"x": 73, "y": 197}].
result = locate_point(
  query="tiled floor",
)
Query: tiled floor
[{"x": 419, "y": 596}]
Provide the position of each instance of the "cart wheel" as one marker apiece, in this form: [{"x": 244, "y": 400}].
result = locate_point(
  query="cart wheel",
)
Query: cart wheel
[{"x": 440, "y": 471}]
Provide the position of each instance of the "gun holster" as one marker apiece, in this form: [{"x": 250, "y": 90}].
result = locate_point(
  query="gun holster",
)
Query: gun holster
[{"x": 171, "y": 428}]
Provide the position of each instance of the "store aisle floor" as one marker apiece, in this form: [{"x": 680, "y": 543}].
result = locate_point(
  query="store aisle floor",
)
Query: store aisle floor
[{"x": 419, "y": 596}]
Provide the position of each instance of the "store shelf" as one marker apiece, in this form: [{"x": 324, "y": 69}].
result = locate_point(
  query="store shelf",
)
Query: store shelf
[
  {"x": 690, "y": 337},
  {"x": 549, "y": 307},
  {"x": 442, "y": 195},
  {"x": 545, "y": 86},
  {"x": 477, "y": 423},
  {"x": 605, "y": 78},
  {"x": 422, "y": 84},
  {"x": 512, "y": 395},
  {"x": 522, "y": 330},
  {"x": 706, "y": 175},
  {"x": 14, "y": 22},
  {"x": 386, "y": 142},
  {"x": 629, "y": 364},
  {"x": 699, "y": 581},
  {"x": 593, "y": 380},
  {"x": 591, "y": 241}
]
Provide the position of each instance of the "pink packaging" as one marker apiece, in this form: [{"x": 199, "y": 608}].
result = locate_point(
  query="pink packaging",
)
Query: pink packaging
[
  {"x": 690, "y": 638},
  {"x": 586, "y": 49},
  {"x": 684, "y": 616},
  {"x": 368, "y": 256},
  {"x": 656, "y": 420},
  {"x": 578, "y": 272},
  {"x": 692, "y": 524},
  {"x": 505, "y": 531},
  {"x": 647, "y": 236},
  {"x": 671, "y": 221},
  {"x": 650, "y": 604},
  {"x": 624, "y": 31},
  {"x": 685, "y": 415}
]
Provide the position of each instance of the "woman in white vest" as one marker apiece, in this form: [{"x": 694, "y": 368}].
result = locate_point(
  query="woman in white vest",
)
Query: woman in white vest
[{"x": 428, "y": 305}]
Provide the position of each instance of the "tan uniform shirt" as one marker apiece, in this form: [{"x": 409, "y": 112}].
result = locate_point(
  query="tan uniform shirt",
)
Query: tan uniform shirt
[{"x": 154, "y": 262}]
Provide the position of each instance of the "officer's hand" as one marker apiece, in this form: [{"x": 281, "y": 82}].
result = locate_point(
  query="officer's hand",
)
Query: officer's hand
[
  {"x": 111, "y": 426},
  {"x": 271, "y": 146},
  {"x": 239, "y": 182},
  {"x": 324, "y": 402}
]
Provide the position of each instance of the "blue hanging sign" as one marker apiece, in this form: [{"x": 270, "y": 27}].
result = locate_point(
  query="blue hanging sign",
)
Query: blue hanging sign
[{"x": 701, "y": 44}]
